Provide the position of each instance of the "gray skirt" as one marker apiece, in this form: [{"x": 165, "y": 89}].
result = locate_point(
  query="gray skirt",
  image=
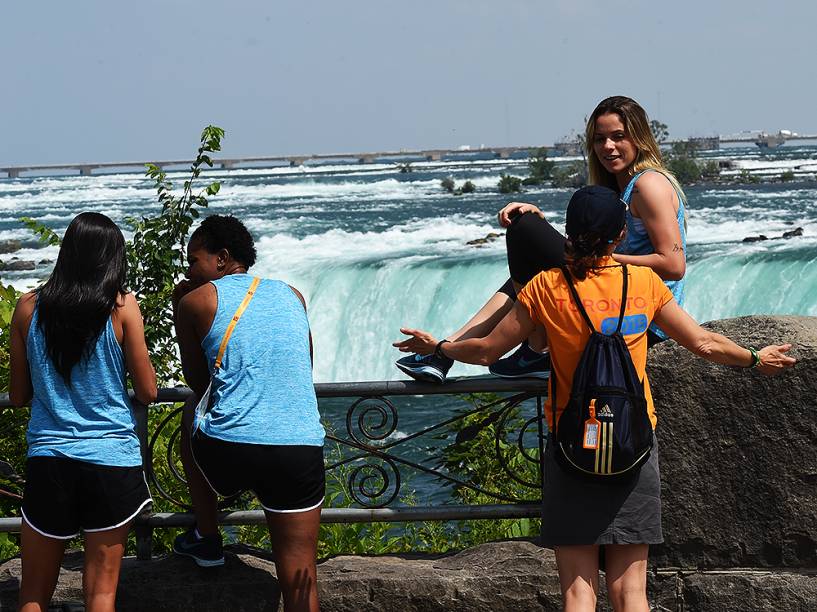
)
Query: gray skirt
[{"x": 580, "y": 512}]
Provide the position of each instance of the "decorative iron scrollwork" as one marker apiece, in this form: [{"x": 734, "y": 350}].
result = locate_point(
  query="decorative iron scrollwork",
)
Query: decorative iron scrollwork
[
  {"x": 376, "y": 419},
  {"x": 372, "y": 486}
]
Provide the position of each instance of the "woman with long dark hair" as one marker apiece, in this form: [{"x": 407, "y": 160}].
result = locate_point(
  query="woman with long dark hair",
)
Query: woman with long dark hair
[
  {"x": 622, "y": 154},
  {"x": 580, "y": 516},
  {"x": 73, "y": 343}
]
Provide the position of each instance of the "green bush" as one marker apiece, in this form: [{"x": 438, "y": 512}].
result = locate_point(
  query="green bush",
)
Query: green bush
[
  {"x": 539, "y": 166},
  {"x": 448, "y": 184},
  {"x": 787, "y": 176},
  {"x": 747, "y": 177},
  {"x": 571, "y": 175},
  {"x": 509, "y": 184},
  {"x": 685, "y": 169},
  {"x": 156, "y": 254},
  {"x": 659, "y": 130},
  {"x": 468, "y": 187},
  {"x": 710, "y": 170}
]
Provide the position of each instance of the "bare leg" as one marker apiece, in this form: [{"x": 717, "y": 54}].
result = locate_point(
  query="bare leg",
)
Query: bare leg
[
  {"x": 294, "y": 537},
  {"x": 205, "y": 501},
  {"x": 578, "y": 576},
  {"x": 41, "y": 558},
  {"x": 487, "y": 317},
  {"x": 627, "y": 577},
  {"x": 103, "y": 558}
]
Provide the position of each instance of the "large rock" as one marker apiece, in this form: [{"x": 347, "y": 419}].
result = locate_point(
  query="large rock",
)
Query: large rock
[
  {"x": 738, "y": 451},
  {"x": 10, "y": 246},
  {"x": 512, "y": 576}
]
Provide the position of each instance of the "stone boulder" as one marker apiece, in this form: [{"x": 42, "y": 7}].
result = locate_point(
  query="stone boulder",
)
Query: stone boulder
[
  {"x": 738, "y": 460},
  {"x": 502, "y": 576},
  {"x": 10, "y": 246}
]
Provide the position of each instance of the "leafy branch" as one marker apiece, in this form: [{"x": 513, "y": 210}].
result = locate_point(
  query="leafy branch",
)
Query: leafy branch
[{"x": 156, "y": 254}]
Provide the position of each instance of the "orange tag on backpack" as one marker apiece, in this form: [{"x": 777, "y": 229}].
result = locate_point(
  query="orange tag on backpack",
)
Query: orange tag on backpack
[{"x": 591, "y": 429}]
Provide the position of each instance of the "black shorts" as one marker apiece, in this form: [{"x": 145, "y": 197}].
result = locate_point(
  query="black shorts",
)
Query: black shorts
[
  {"x": 533, "y": 245},
  {"x": 63, "y": 496},
  {"x": 284, "y": 478}
]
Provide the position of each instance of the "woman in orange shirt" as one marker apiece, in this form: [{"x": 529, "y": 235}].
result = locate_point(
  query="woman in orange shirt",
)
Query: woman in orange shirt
[{"x": 581, "y": 516}]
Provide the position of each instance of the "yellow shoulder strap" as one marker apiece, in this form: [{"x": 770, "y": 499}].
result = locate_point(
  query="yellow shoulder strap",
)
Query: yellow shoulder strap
[{"x": 240, "y": 311}]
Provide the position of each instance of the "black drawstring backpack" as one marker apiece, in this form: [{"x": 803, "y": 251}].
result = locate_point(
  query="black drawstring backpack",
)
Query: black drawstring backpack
[{"x": 604, "y": 432}]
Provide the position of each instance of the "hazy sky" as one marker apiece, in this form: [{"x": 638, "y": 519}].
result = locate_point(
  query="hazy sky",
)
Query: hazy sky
[{"x": 94, "y": 80}]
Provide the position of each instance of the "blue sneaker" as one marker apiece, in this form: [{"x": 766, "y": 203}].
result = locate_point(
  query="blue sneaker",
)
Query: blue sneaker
[
  {"x": 523, "y": 363},
  {"x": 206, "y": 551},
  {"x": 426, "y": 368}
]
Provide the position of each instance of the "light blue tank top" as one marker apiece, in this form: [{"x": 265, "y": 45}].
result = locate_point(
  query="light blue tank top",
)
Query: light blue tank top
[
  {"x": 637, "y": 242},
  {"x": 90, "y": 420},
  {"x": 263, "y": 392}
]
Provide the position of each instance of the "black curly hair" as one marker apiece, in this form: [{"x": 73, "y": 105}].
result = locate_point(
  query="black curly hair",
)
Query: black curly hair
[{"x": 218, "y": 232}]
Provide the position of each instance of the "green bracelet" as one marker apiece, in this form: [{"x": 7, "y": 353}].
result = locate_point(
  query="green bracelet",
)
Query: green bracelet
[{"x": 755, "y": 358}]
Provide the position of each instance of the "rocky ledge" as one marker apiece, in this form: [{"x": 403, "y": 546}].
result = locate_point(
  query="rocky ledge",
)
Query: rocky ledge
[{"x": 512, "y": 576}]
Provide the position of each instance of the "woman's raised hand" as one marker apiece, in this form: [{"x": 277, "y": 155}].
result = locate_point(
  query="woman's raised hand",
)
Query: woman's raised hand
[
  {"x": 516, "y": 208},
  {"x": 773, "y": 359},
  {"x": 420, "y": 342}
]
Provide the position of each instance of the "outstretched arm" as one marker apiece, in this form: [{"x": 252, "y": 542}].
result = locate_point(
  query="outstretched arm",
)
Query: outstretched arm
[
  {"x": 716, "y": 348},
  {"x": 511, "y": 330}
]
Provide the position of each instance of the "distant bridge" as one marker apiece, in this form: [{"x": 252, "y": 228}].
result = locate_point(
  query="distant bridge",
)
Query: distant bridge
[
  {"x": 573, "y": 147},
  {"x": 87, "y": 168}
]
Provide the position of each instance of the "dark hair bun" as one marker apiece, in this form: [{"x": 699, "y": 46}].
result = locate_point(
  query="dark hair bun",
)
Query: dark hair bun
[{"x": 218, "y": 232}]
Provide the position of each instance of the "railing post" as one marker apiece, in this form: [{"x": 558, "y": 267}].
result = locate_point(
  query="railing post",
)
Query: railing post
[
  {"x": 144, "y": 532},
  {"x": 543, "y": 432}
]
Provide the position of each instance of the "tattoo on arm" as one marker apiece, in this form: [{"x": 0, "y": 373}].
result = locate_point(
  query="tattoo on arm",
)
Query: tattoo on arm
[{"x": 676, "y": 248}]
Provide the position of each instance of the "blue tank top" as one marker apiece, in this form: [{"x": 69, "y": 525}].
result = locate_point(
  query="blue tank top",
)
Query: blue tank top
[
  {"x": 637, "y": 242},
  {"x": 263, "y": 392},
  {"x": 90, "y": 420}
]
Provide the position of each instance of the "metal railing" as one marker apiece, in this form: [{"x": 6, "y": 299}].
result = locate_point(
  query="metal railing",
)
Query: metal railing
[{"x": 369, "y": 456}]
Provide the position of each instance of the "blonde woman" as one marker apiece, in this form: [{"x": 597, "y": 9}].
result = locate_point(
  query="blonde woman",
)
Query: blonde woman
[{"x": 624, "y": 156}]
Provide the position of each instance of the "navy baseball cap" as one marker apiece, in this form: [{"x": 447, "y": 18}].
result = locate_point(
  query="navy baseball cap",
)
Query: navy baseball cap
[{"x": 595, "y": 209}]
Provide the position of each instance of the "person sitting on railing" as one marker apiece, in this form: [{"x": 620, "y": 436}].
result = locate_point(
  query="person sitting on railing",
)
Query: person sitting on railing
[
  {"x": 72, "y": 342},
  {"x": 580, "y": 516},
  {"x": 622, "y": 154},
  {"x": 260, "y": 429}
]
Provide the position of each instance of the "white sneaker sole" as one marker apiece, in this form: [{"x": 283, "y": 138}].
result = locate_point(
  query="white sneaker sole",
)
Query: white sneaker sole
[{"x": 422, "y": 373}]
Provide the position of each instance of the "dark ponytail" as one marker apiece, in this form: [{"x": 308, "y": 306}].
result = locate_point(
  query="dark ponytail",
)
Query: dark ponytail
[
  {"x": 75, "y": 303},
  {"x": 584, "y": 252}
]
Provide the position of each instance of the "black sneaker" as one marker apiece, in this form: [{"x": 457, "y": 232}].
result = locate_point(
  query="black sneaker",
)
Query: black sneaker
[
  {"x": 524, "y": 363},
  {"x": 427, "y": 368},
  {"x": 205, "y": 551}
]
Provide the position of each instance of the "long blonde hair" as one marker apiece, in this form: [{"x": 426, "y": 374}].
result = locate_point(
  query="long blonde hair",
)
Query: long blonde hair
[{"x": 637, "y": 127}]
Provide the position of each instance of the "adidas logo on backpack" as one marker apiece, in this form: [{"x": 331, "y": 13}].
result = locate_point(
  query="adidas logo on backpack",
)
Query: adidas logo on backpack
[{"x": 604, "y": 432}]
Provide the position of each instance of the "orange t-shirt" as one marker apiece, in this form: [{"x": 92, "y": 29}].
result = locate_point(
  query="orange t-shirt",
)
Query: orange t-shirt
[{"x": 549, "y": 302}]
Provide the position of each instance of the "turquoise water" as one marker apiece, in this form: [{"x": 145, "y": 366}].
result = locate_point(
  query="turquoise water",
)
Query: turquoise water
[{"x": 373, "y": 249}]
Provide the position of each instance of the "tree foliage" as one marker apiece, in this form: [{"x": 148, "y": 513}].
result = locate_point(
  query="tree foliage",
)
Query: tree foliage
[
  {"x": 659, "y": 130},
  {"x": 156, "y": 254},
  {"x": 539, "y": 166},
  {"x": 509, "y": 184}
]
